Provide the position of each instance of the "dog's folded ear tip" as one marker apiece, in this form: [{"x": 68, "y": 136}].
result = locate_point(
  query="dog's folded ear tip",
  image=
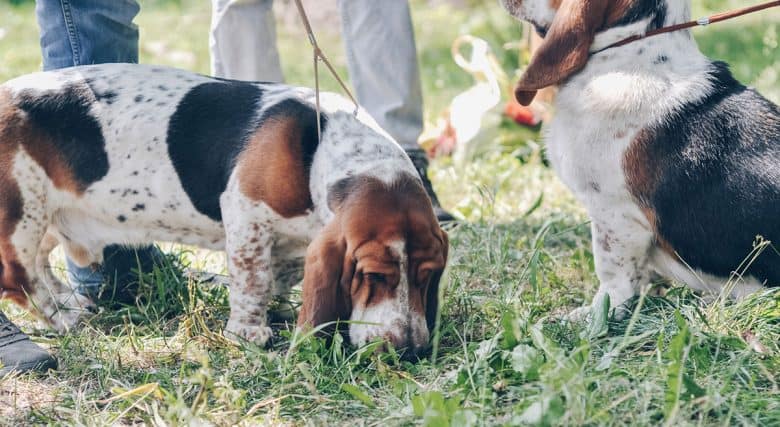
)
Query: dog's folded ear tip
[{"x": 524, "y": 96}]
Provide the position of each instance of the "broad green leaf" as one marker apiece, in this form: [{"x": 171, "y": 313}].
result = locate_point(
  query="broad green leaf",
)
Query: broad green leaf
[
  {"x": 358, "y": 394},
  {"x": 599, "y": 316},
  {"x": 544, "y": 411},
  {"x": 526, "y": 360},
  {"x": 677, "y": 353}
]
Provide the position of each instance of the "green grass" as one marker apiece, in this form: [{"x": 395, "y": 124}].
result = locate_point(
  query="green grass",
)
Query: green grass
[{"x": 502, "y": 356}]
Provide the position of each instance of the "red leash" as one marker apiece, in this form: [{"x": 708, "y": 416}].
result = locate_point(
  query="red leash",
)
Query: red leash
[{"x": 699, "y": 22}]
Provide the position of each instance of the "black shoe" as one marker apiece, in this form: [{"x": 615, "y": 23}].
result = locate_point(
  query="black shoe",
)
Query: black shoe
[
  {"x": 116, "y": 281},
  {"x": 18, "y": 353},
  {"x": 121, "y": 271},
  {"x": 420, "y": 161}
]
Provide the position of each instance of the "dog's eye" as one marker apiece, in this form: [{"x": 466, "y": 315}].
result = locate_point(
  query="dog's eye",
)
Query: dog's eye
[{"x": 376, "y": 277}]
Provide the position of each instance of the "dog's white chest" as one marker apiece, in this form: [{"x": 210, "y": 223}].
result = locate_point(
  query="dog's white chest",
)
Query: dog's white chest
[{"x": 588, "y": 158}]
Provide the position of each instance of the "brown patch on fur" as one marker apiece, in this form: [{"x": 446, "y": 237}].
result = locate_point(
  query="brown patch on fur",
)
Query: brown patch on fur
[
  {"x": 271, "y": 168},
  {"x": 617, "y": 11},
  {"x": 78, "y": 254},
  {"x": 13, "y": 278},
  {"x": 16, "y": 131},
  {"x": 639, "y": 167}
]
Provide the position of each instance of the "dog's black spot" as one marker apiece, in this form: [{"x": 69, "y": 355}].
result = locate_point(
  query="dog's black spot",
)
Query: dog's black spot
[
  {"x": 121, "y": 218},
  {"x": 716, "y": 163},
  {"x": 139, "y": 207},
  {"x": 138, "y": 98},
  {"x": 205, "y": 134},
  {"x": 211, "y": 126},
  {"x": 640, "y": 10},
  {"x": 64, "y": 115},
  {"x": 162, "y": 88},
  {"x": 661, "y": 59},
  {"x": 135, "y": 173},
  {"x": 107, "y": 96}
]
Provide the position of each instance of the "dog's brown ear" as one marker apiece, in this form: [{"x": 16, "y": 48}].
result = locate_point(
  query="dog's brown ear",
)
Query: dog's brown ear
[
  {"x": 432, "y": 296},
  {"x": 566, "y": 47},
  {"x": 327, "y": 275}
]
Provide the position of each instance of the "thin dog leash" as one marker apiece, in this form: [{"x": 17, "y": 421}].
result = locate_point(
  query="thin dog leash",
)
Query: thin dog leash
[
  {"x": 319, "y": 55},
  {"x": 699, "y": 22}
]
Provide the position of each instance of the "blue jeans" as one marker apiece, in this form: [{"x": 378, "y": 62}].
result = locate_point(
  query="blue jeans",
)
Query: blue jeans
[{"x": 81, "y": 32}]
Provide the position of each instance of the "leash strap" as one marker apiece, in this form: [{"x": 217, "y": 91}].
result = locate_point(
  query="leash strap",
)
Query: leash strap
[
  {"x": 699, "y": 22},
  {"x": 320, "y": 56}
]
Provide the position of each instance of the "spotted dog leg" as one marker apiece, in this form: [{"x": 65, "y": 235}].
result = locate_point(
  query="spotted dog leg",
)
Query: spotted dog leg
[
  {"x": 25, "y": 246},
  {"x": 64, "y": 306},
  {"x": 621, "y": 247},
  {"x": 250, "y": 265}
]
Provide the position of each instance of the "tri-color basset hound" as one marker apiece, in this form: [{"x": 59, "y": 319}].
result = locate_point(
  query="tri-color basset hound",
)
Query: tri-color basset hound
[
  {"x": 677, "y": 163},
  {"x": 123, "y": 153}
]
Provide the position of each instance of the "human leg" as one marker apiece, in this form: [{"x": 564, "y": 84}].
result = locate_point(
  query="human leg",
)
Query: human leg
[
  {"x": 81, "y": 32},
  {"x": 382, "y": 63},
  {"x": 242, "y": 41}
]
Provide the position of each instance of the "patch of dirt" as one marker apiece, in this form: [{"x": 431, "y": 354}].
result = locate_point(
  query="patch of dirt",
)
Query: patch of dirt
[{"x": 21, "y": 394}]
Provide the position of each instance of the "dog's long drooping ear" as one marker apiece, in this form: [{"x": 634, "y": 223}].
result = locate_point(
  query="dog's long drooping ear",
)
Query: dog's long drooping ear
[
  {"x": 432, "y": 297},
  {"x": 566, "y": 47},
  {"x": 327, "y": 276}
]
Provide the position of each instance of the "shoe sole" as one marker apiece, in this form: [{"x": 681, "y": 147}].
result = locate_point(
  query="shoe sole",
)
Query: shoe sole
[{"x": 40, "y": 366}]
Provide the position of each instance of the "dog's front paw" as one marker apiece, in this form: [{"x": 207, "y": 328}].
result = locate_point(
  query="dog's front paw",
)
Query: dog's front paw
[
  {"x": 579, "y": 314},
  {"x": 70, "y": 312},
  {"x": 600, "y": 310},
  {"x": 257, "y": 334}
]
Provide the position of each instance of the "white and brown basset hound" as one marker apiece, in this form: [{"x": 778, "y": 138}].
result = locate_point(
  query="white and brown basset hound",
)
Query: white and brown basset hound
[
  {"x": 128, "y": 154},
  {"x": 677, "y": 163}
]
